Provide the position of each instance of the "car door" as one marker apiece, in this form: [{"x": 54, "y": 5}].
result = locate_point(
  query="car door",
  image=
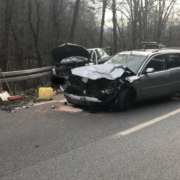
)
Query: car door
[
  {"x": 93, "y": 57},
  {"x": 155, "y": 84},
  {"x": 173, "y": 64}
]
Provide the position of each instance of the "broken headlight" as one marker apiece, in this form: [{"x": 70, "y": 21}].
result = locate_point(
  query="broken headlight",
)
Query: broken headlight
[
  {"x": 107, "y": 91},
  {"x": 54, "y": 70}
]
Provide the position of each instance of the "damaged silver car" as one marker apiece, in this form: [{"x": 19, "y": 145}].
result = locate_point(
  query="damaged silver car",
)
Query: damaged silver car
[
  {"x": 69, "y": 56},
  {"x": 127, "y": 77}
]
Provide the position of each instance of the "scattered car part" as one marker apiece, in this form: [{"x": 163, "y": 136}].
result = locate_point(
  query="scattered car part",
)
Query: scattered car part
[{"x": 14, "y": 98}]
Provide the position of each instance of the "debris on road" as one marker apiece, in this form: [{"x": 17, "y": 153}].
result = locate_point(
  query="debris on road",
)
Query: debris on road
[
  {"x": 58, "y": 91},
  {"x": 45, "y": 93},
  {"x": 19, "y": 104},
  {"x": 29, "y": 99},
  {"x": 14, "y": 98},
  {"x": 53, "y": 107},
  {"x": 4, "y": 95},
  {"x": 30, "y": 103}
]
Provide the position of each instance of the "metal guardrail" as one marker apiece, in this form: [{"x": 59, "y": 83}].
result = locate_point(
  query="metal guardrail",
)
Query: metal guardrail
[{"x": 15, "y": 76}]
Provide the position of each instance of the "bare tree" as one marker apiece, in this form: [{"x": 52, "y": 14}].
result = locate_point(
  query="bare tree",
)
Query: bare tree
[
  {"x": 56, "y": 12},
  {"x": 8, "y": 13},
  {"x": 164, "y": 12},
  {"x": 75, "y": 17},
  {"x": 35, "y": 31},
  {"x": 114, "y": 27},
  {"x": 30, "y": 29},
  {"x": 104, "y": 2}
]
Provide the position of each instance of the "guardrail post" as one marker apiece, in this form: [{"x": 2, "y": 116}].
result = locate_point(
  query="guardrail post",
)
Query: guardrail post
[
  {"x": 42, "y": 81},
  {"x": 14, "y": 88}
]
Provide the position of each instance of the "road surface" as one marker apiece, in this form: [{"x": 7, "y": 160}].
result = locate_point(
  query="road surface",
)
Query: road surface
[{"x": 68, "y": 143}]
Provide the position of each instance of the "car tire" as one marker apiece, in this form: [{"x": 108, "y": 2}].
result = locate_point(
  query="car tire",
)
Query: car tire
[{"x": 125, "y": 100}]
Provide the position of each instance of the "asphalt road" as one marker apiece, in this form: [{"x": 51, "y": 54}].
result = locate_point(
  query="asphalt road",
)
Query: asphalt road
[{"x": 68, "y": 143}]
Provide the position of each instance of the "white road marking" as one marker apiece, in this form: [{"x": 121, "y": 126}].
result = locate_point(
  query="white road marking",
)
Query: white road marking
[{"x": 141, "y": 126}]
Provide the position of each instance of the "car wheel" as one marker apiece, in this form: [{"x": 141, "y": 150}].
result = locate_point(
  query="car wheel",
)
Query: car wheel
[{"x": 125, "y": 100}]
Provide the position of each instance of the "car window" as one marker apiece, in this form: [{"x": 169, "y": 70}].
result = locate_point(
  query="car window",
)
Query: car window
[
  {"x": 103, "y": 54},
  {"x": 158, "y": 63},
  {"x": 173, "y": 60}
]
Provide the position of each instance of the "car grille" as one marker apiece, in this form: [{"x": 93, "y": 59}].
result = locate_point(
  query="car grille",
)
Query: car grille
[{"x": 93, "y": 88}]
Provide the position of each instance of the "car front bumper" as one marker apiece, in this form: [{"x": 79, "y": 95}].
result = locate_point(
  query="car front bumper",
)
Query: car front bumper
[{"x": 81, "y": 100}]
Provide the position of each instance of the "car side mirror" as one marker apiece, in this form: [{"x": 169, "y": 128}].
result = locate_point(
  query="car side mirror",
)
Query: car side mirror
[{"x": 150, "y": 70}]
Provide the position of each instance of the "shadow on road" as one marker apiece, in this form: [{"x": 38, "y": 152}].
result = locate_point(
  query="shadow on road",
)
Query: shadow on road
[{"x": 137, "y": 105}]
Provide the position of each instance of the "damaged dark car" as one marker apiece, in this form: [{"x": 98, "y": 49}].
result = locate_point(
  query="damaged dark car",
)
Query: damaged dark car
[
  {"x": 127, "y": 77},
  {"x": 69, "y": 56}
]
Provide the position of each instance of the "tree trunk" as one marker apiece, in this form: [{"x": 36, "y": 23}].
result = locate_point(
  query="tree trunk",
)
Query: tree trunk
[
  {"x": 145, "y": 20},
  {"x": 159, "y": 23},
  {"x": 74, "y": 23},
  {"x": 56, "y": 10},
  {"x": 5, "y": 34},
  {"x": 114, "y": 27},
  {"x": 102, "y": 23},
  {"x": 35, "y": 33},
  {"x": 134, "y": 23}
]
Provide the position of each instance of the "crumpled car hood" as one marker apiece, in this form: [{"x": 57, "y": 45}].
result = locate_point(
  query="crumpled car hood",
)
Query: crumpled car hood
[
  {"x": 107, "y": 71},
  {"x": 69, "y": 50}
]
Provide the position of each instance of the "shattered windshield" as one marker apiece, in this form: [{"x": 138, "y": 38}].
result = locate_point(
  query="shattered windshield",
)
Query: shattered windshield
[
  {"x": 133, "y": 62},
  {"x": 75, "y": 59}
]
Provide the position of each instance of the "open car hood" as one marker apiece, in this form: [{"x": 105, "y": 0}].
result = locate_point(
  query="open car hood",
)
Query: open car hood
[
  {"x": 69, "y": 50},
  {"x": 107, "y": 71}
]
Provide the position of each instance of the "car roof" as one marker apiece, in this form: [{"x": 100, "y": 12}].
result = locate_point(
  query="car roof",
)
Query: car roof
[
  {"x": 146, "y": 52},
  {"x": 99, "y": 49},
  {"x": 149, "y": 42}
]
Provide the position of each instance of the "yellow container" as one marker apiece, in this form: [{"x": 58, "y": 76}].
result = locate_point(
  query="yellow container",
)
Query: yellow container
[{"x": 45, "y": 93}]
